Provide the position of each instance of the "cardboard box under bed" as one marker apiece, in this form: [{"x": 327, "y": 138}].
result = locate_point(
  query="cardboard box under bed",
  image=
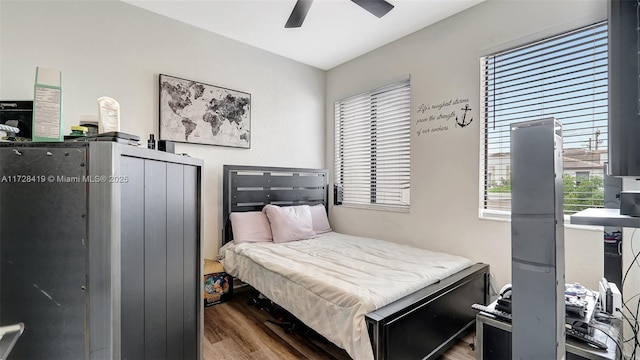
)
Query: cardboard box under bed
[{"x": 218, "y": 285}]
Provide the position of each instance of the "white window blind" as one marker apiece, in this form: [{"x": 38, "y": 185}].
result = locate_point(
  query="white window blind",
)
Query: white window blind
[
  {"x": 563, "y": 77},
  {"x": 372, "y": 149}
]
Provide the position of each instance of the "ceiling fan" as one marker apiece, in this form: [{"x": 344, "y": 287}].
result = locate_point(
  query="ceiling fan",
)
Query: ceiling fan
[{"x": 378, "y": 8}]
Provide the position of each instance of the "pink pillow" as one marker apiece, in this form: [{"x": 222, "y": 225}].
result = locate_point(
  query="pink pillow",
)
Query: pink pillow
[
  {"x": 319, "y": 219},
  {"x": 250, "y": 226},
  {"x": 290, "y": 223}
]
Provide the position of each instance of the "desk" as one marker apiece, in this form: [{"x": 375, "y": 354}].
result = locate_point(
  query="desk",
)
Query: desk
[{"x": 494, "y": 342}]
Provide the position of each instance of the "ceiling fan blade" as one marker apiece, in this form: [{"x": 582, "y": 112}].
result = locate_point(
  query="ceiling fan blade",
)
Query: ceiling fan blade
[
  {"x": 298, "y": 14},
  {"x": 378, "y": 8}
]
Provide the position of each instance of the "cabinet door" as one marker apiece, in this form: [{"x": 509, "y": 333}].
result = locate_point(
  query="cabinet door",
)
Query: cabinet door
[
  {"x": 155, "y": 259},
  {"x": 132, "y": 259},
  {"x": 192, "y": 282},
  {"x": 175, "y": 261},
  {"x": 43, "y": 229},
  {"x": 160, "y": 259}
]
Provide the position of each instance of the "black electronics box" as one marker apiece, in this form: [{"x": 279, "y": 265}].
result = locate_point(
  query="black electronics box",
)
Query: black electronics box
[
  {"x": 167, "y": 146},
  {"x": 630, "y": 203},
  {"x": 17, "y": 114}
]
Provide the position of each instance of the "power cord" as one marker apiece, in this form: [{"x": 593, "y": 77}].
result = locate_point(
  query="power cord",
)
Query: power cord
[
  {"x": 635, "y": 258},
  {"x": 611, "y": 333},
  {"x": 634, "y": 329},
  {"x": 632, "y": 318}
]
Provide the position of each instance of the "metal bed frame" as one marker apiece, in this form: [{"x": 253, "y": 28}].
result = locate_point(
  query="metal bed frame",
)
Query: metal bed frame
[{"x": 422, "y": 325}]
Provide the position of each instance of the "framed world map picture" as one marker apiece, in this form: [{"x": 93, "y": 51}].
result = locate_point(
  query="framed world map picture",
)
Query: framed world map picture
[{"x": 197, "y": 113}]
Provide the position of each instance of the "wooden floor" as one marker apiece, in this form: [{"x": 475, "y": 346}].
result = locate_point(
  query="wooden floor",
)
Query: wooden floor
[{"x": 235, "y": 330}]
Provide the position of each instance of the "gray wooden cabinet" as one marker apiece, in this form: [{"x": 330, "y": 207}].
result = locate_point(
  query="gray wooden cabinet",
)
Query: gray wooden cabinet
[{"x": 100, "y": 251}]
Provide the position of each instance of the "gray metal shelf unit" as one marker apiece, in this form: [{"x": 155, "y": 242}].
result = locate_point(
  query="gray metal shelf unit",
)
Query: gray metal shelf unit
[{"x": 100, "y": 251}]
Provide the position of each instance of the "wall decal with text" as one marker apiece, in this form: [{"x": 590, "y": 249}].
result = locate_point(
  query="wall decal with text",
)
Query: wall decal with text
[{"x": 436, "y": 118}]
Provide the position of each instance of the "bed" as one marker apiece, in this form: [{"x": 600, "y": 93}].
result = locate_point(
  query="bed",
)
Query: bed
[{"x": 423, "y": 313}]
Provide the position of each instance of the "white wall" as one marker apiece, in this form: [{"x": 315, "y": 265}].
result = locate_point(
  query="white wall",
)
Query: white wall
[
  {"x": 109, "y": 48},
  {"x": 443, "y": 60}
]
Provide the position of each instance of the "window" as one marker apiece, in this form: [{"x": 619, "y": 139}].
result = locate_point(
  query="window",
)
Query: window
[
  {"x": 581, "y": 176},
  {"x": 563, "y": 77},
  {"x": 372, "y": 153}
]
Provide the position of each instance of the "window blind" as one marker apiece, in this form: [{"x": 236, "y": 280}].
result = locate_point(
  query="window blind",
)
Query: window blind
[
  {"x": 372, "y": 147},
  {"x": 563, "y": 77}
]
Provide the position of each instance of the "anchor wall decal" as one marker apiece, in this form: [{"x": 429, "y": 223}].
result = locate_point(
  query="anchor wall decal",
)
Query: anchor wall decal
[{"x": 464, "y": 122}]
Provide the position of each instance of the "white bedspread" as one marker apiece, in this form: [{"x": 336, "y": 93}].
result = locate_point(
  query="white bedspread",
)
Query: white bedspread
[{"x": 331, "y": 282}]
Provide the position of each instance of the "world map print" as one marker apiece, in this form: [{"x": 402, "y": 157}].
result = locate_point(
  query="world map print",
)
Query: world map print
[{"x": 193, "y": 112}]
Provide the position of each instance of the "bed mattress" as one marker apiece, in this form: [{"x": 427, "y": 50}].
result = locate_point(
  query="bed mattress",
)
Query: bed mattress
[{"x": 331, "y": 282}]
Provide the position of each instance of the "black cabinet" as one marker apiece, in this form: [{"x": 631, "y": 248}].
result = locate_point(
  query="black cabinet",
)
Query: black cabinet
[{"x": 100, "y": 253}]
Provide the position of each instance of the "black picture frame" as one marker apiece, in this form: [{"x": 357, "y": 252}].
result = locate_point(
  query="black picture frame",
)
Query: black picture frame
[{"x": 198, "y": 113}]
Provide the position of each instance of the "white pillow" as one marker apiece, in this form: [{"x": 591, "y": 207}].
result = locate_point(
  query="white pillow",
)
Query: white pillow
[
  {"x": 290, "y": 223},
  {"x": 319, "y": 219},
  {"x": 250, "y": 226}
]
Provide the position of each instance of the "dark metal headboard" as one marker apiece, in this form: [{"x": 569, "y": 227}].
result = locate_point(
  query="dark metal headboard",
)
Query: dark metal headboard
[{"x": 250, "y": 188}]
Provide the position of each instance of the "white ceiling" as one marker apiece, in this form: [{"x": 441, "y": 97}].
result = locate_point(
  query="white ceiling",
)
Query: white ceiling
[{"x": 333, "y": 32}]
